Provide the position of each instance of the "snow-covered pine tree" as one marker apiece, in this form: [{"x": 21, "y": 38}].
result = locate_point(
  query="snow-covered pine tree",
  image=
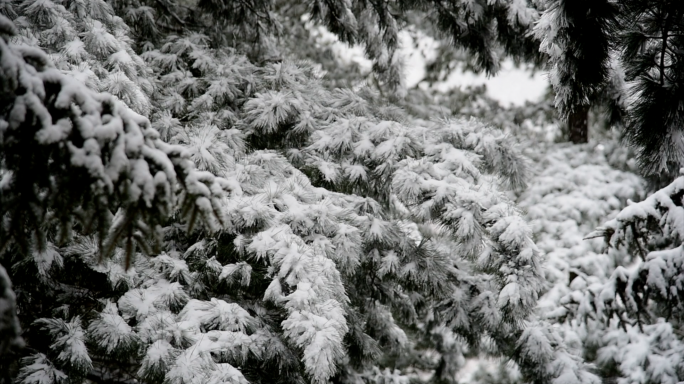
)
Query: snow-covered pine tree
[
  {"x": 87, "y": 40},
  {"x": 286, "y": 106},
  {"x": 597, "y": 46},
  {"x": 356, "y": 241},
  {"x": 577, "y": 37},
  {"x": 641, "y": 305},
  {"x": 262, "y": 28},
  {"x": 58, "y": 136},
  {"x": 578, "y": 187},
  {"x": 109, "y": 158}
]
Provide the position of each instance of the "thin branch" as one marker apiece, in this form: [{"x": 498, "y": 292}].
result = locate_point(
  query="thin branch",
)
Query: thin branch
[
  {"x": 170, "y": 12},
  {"x": 642, "y": 254},
  {"x": 664, "y": 47}
]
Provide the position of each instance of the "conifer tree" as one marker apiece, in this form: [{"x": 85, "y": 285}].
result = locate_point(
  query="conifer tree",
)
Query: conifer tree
[
  {"x": 600, "y": 49},
  {"x": 577, "y": 188},
  {"x": 58, "y": 136},
  {"x": 577, "y": 37},
  {"x": 10, "y": 330},
  {"x": 352, "y": 239},
  {"x": 485, "y": 29},
  {"x": 653, "y": 59},
  {"x": 108, "y": 157},
  {"x": 86, "y": 39},
  {"x": 641, "y": 308}
]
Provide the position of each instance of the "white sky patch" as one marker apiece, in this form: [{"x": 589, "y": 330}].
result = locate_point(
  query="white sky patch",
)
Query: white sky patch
[
  {"x": 414, "y": 58},
  {"x": 510, "y": 86},
  {"x": 347, "y": 54}
]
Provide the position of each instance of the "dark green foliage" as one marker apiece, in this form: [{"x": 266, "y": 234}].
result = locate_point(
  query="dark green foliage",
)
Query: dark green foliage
[
  {"x": 652, "y": 46},
  {"x": 57, "y": 135},
  {"x": 583, "y": 32},
  {"x": 597, "y": 46},
  {"x": 260, "y": 28},
  {"x": 10, "y": 330}
]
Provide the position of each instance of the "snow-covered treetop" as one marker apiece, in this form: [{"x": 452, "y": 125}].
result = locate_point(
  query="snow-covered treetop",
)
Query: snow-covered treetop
[{"x": 357, "y": 194}]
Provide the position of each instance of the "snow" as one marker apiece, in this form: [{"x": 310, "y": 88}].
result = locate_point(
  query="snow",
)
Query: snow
[
  {"x": 69, "y": 342},
  {"x": 432, "y": 220},
  {"x": 216, "y": 315},
  {"x": 46, "y": 260},
  {"x": 37, "y": 369},
  {"x": 110, "y": 331},
  {"x": 233, "y": 272},
  {"x": 142, "y": 302},
  {"x": 528, "y": 85},
  {"x": 510, "y": 86},
  {"x": 519, "y": 12},
  {"x": 577, "y": 188},
  {"x": 75, "y": 50},
  {"x": 100, "y": 41},
  {"x": 509, "y": 295}
]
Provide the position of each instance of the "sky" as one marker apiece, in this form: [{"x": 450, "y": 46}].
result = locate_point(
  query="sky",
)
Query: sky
[{"x": 510, "y": 86}]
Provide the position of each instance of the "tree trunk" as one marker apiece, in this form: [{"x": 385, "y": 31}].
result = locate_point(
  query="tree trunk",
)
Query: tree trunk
[{"x": 578, "y": 125}]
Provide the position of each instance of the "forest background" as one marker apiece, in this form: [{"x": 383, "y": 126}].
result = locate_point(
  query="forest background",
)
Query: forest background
[{"x": 226, "y": 192}]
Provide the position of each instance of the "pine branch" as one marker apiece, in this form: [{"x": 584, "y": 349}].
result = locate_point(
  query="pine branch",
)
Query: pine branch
[
  {"x": 665, "y": 26},
  {"x": 165, "y": 7}
]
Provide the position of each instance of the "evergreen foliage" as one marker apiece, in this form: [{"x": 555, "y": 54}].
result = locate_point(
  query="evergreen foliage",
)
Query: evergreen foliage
[
  {"x": 578, "y": 187},
  {"x": 576, "y": 36},
  {"x": 619, "y": 305},
  {"x": 9, "y": 324},
  {"x": 86, "y": 39},
  {"x": 485, "y": 29},
  {"x": 642, "y": 306},
  {"x": 653, "y": 58},
  {"x": 345, "y": 238},
  {"x": 344, "y": 241},
  {"x": 627, "y": 56},
  {"x": 258, "y": 27},
  {"x": 122, "y": 179}
]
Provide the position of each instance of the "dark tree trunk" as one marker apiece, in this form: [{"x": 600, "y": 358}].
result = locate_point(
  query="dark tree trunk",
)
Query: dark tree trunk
[{"x": 578, "y": 125}]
